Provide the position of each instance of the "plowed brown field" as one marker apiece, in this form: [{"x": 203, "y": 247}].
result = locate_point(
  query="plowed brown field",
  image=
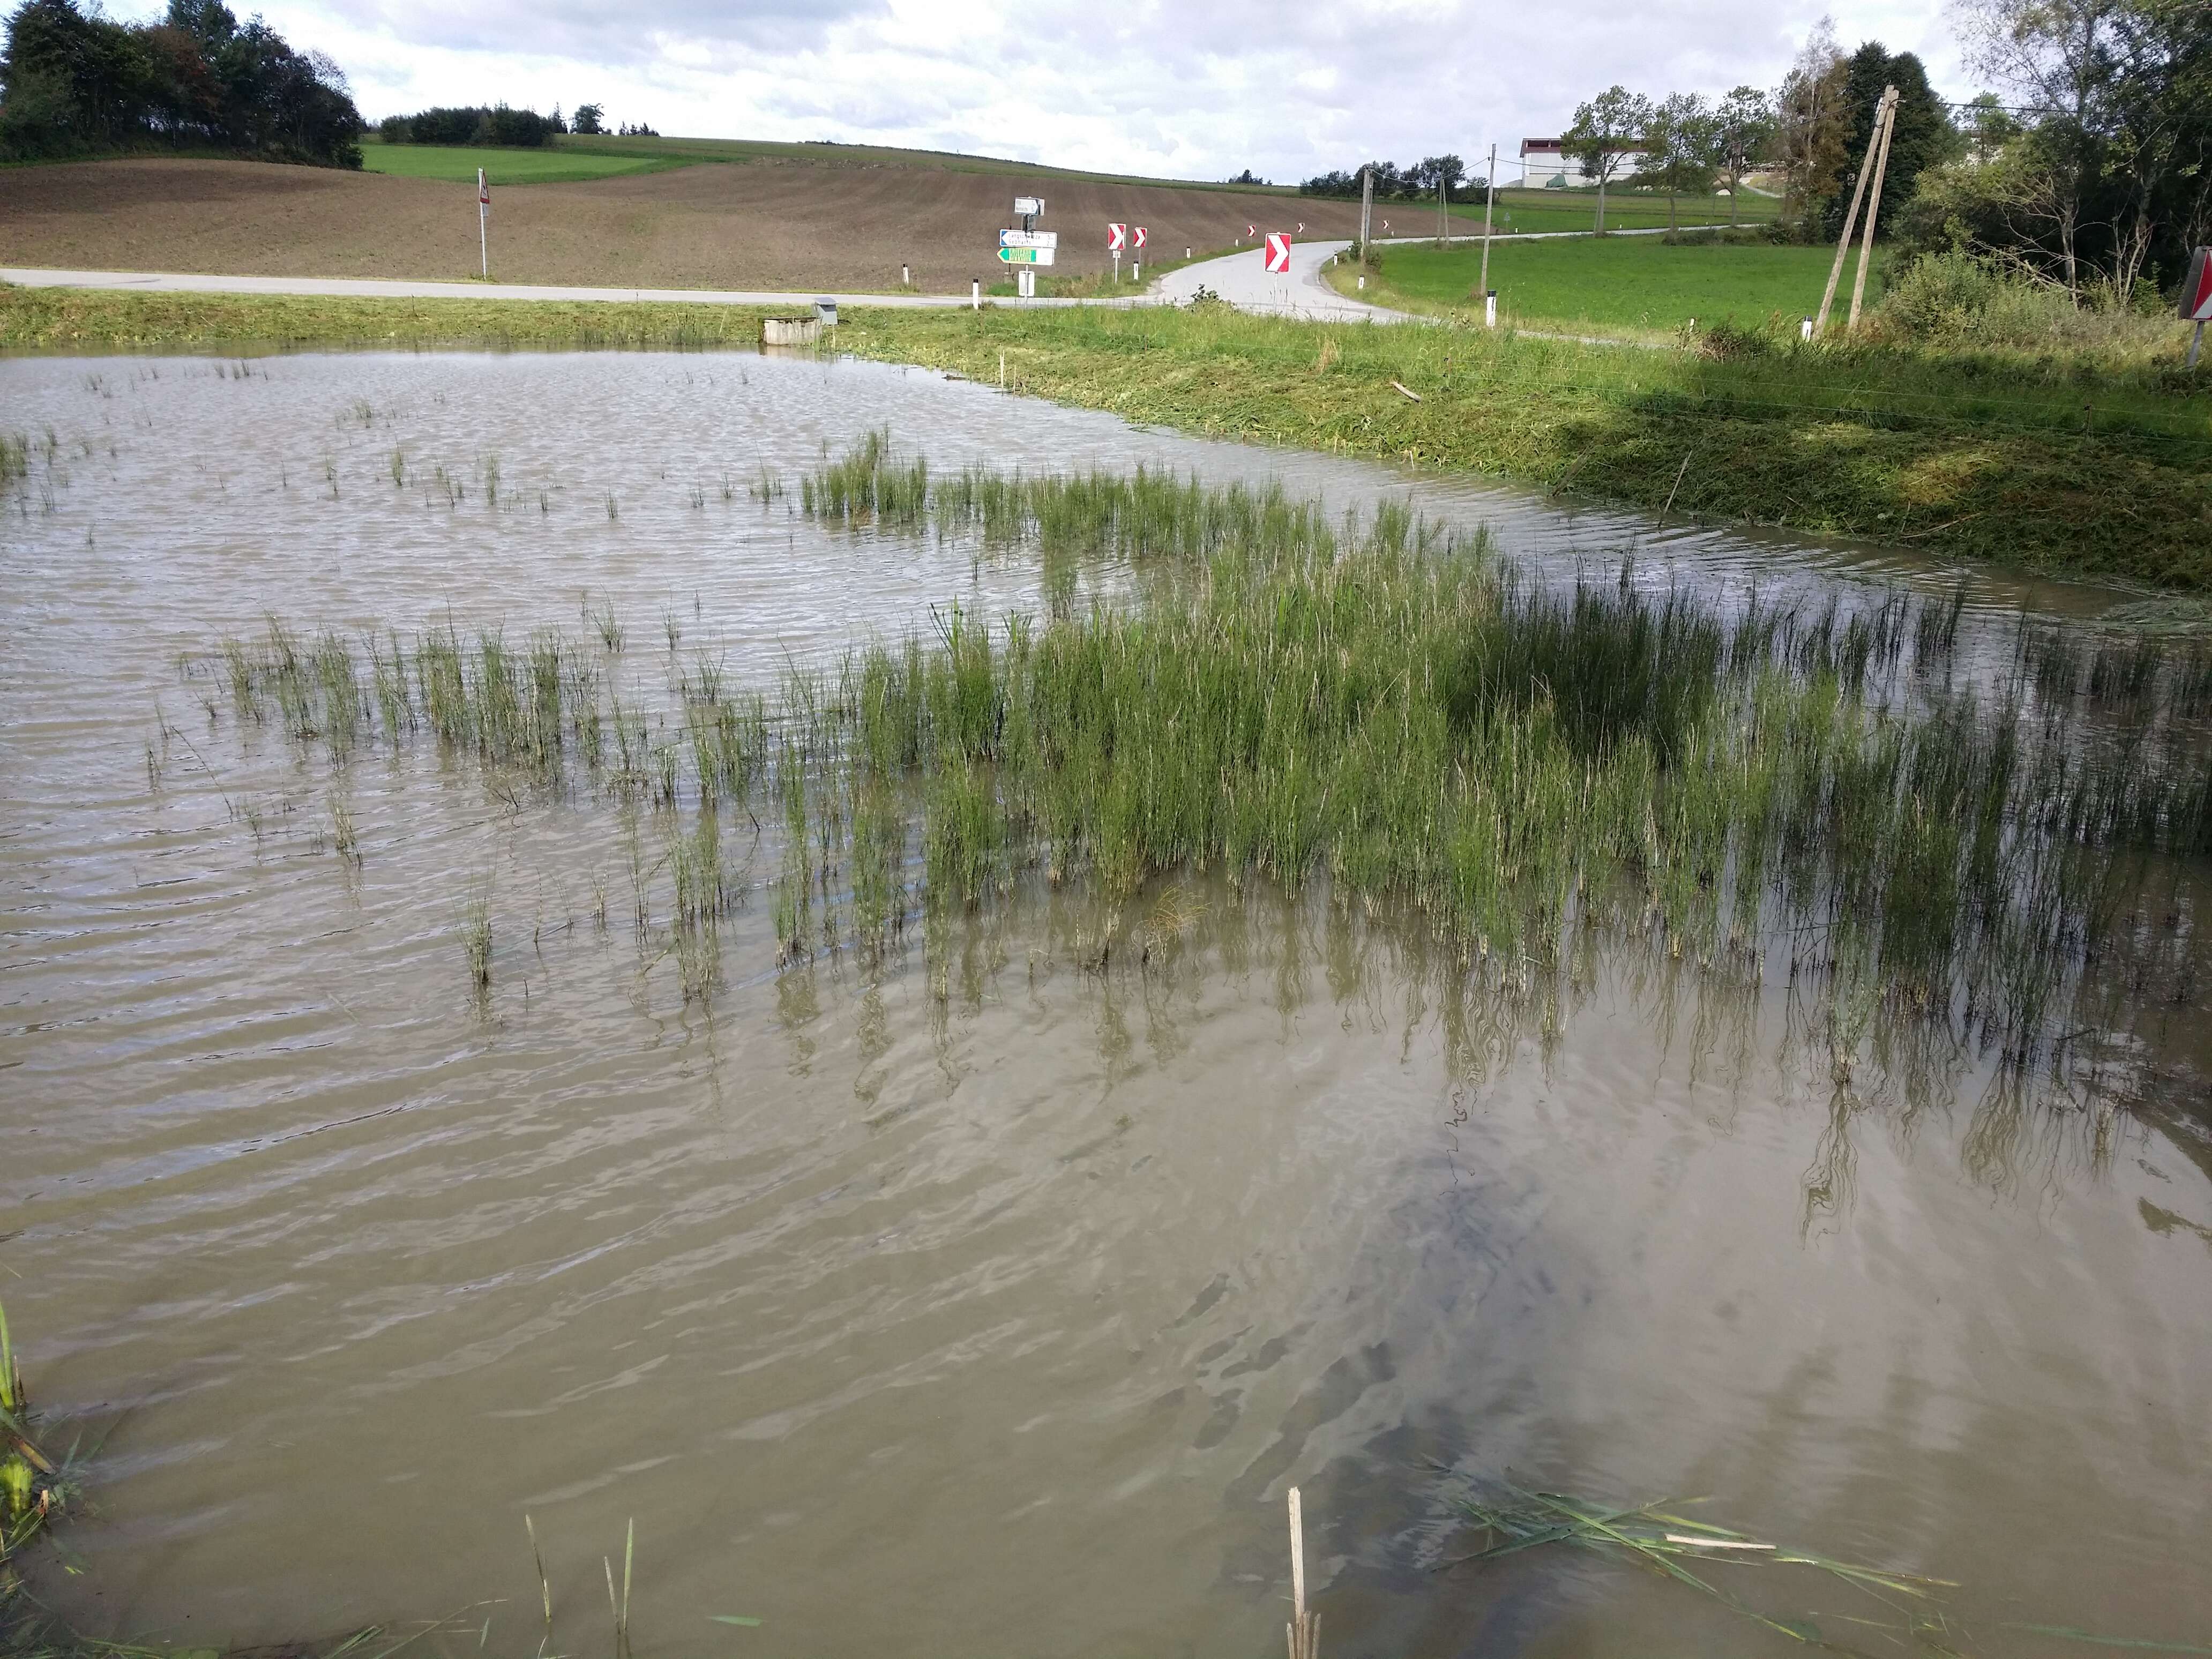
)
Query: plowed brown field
[{"x": 715, "y": 225}]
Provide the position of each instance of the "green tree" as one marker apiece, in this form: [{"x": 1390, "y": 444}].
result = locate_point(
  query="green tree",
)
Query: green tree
[
  {"x": 587, "y": 120},
  {"x": 1810, "y": 123},
  {"x": 1744, "y": 136},
  {"x": 1920, "y": 137},
  {"x": 1682, "y": 149},
  {"x": 1606, "y": 130}
]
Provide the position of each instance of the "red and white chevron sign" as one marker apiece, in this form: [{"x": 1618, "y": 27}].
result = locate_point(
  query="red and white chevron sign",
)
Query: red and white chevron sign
[
  {"x": 1279, "y": 252},
  {"x": 1117, "y": 238},
  {"x": 2196, "y": 292},
  {"x": 1302, "y": 226},
  {"x": 1137, "y": 237},
  {"x": 1251, "y": 230}
]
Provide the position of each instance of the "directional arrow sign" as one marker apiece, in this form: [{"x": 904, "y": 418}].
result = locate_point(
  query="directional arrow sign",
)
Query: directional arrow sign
[
  {"x": 1278, "y": 251},
  {"x": 1026, "y": 256},
  {"x": 2196, "y": 292},
  {"x": 1117, "y": 238},
  {"x": 1029, "y": 239}
]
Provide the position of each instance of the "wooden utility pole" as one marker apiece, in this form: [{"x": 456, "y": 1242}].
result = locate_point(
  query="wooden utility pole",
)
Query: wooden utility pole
[
  {"x": 1851, "y": 219},
  {"x": 1872, "y": 213},
  {"x": 1443, "y": 211},
  {"x": 1366, "y": 209},
  {"x": 1489, "y": 203}
]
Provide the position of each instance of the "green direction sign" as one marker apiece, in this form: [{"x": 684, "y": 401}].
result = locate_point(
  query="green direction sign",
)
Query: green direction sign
[{"x": 1026, "y": 256}]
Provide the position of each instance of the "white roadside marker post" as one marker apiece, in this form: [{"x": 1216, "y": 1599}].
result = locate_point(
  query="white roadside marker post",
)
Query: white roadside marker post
[
  {"x": 906, "y": 276},
  {"x": 1489, "y": 307},
  {"x": 976, "y": 294}
]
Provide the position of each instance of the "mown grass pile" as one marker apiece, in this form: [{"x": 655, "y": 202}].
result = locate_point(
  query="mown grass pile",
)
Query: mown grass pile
[{"x": 1377, "y": 705}]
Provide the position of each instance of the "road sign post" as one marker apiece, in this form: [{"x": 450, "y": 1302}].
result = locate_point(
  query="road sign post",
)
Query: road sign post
[
  {"x": 483, "y": 222},
  {"x": 2196, "y": 299},
  {"x": 1278, "y": 253},
  {"x": 1117, "y": 238}
]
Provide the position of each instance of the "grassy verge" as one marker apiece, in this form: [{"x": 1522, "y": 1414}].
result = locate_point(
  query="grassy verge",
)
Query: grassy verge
[
  {"x": 2034, "y": 464},
  {"x": 1638, "y": 285},
  {"x": 458, "y": 164}
]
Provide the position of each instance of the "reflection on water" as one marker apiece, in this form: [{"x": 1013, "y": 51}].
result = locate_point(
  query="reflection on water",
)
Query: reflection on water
[{"x": 986, "y": 1296}]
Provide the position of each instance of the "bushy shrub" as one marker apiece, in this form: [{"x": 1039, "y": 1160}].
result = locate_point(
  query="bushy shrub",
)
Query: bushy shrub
[{"x": 1956, "y": 298}]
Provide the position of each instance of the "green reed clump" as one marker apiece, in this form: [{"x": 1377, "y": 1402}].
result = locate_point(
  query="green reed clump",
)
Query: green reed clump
[
  {"x": 15, "y": 461},
  {"x": 476, "y": 941},
  {"x": 866, "y": 486},
  {"x": 1372, "y": 702}
]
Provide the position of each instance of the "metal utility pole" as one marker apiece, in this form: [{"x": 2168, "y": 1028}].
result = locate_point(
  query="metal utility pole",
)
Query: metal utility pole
[
  {"x": 483, "y": 222},
  {"x": 1366, "y": 209},
  {"x": 1489, "y": 203},
  {"x": 1851, "y": 219},
  {"x": 1443, "y": 213}
]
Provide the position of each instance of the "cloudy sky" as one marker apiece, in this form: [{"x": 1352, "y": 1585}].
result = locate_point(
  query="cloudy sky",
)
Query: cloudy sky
[{"x": 1193, "y": 90}]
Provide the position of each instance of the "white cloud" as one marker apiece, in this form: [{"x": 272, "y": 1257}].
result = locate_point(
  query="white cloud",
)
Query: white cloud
[{"x": 1144, "y": 87}]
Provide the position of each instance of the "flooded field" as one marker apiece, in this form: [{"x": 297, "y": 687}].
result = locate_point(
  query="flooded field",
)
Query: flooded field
[{"x": 381, "y": 1168}]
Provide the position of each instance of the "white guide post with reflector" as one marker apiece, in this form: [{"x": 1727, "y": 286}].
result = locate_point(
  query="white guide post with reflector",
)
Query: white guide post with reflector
[
  {"x": 2196, "y": 299},
  {"x": 483, "y": 222},
  {"x": 1137, "y": 234},
  {"x": 1278, "y": 253}
]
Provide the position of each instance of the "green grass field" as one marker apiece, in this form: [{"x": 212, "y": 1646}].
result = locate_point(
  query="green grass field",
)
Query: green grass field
[
  {"x": 458, "y": 163},
  {"x": 1637, "y": 283},
  {"x": 1520, "y": 212}
]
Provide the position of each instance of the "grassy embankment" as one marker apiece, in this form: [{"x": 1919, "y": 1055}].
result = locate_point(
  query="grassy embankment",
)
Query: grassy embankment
[
  {"x": 458, "y": 164},
  {"x": 1635, "y": 288},
  {"x": 2041, "y": 464}
]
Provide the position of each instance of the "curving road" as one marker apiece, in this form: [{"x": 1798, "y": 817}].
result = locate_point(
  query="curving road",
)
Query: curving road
[{"x": 1243, "y": 281}]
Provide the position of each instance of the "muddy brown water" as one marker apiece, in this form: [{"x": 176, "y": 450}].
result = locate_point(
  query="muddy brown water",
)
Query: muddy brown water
[{"x": 986, "y": 1312}]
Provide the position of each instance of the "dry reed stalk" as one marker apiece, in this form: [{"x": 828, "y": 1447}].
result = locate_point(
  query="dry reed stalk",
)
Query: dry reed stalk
[{"x": 1304, "y": 1631}]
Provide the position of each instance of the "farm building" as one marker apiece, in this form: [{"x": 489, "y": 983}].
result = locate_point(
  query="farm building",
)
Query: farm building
[{"x": 1545, "y": 163}]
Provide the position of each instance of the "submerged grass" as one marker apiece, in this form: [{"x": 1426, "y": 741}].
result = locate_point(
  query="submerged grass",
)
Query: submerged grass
[
  {"x": 1673, "y": 1545},
  {"x": 1374, "y": 704}
]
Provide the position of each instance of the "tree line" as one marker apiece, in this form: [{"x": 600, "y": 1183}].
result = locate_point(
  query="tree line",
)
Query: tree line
[
  {"x": 498, "y": 126},
  {"x": 1394, "y": 183},
  {"x": 74, "y": 83}
]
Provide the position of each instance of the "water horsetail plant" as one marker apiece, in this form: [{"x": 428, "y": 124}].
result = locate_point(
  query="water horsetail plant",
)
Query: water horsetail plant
[{"x": 1376, "y": 706}]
